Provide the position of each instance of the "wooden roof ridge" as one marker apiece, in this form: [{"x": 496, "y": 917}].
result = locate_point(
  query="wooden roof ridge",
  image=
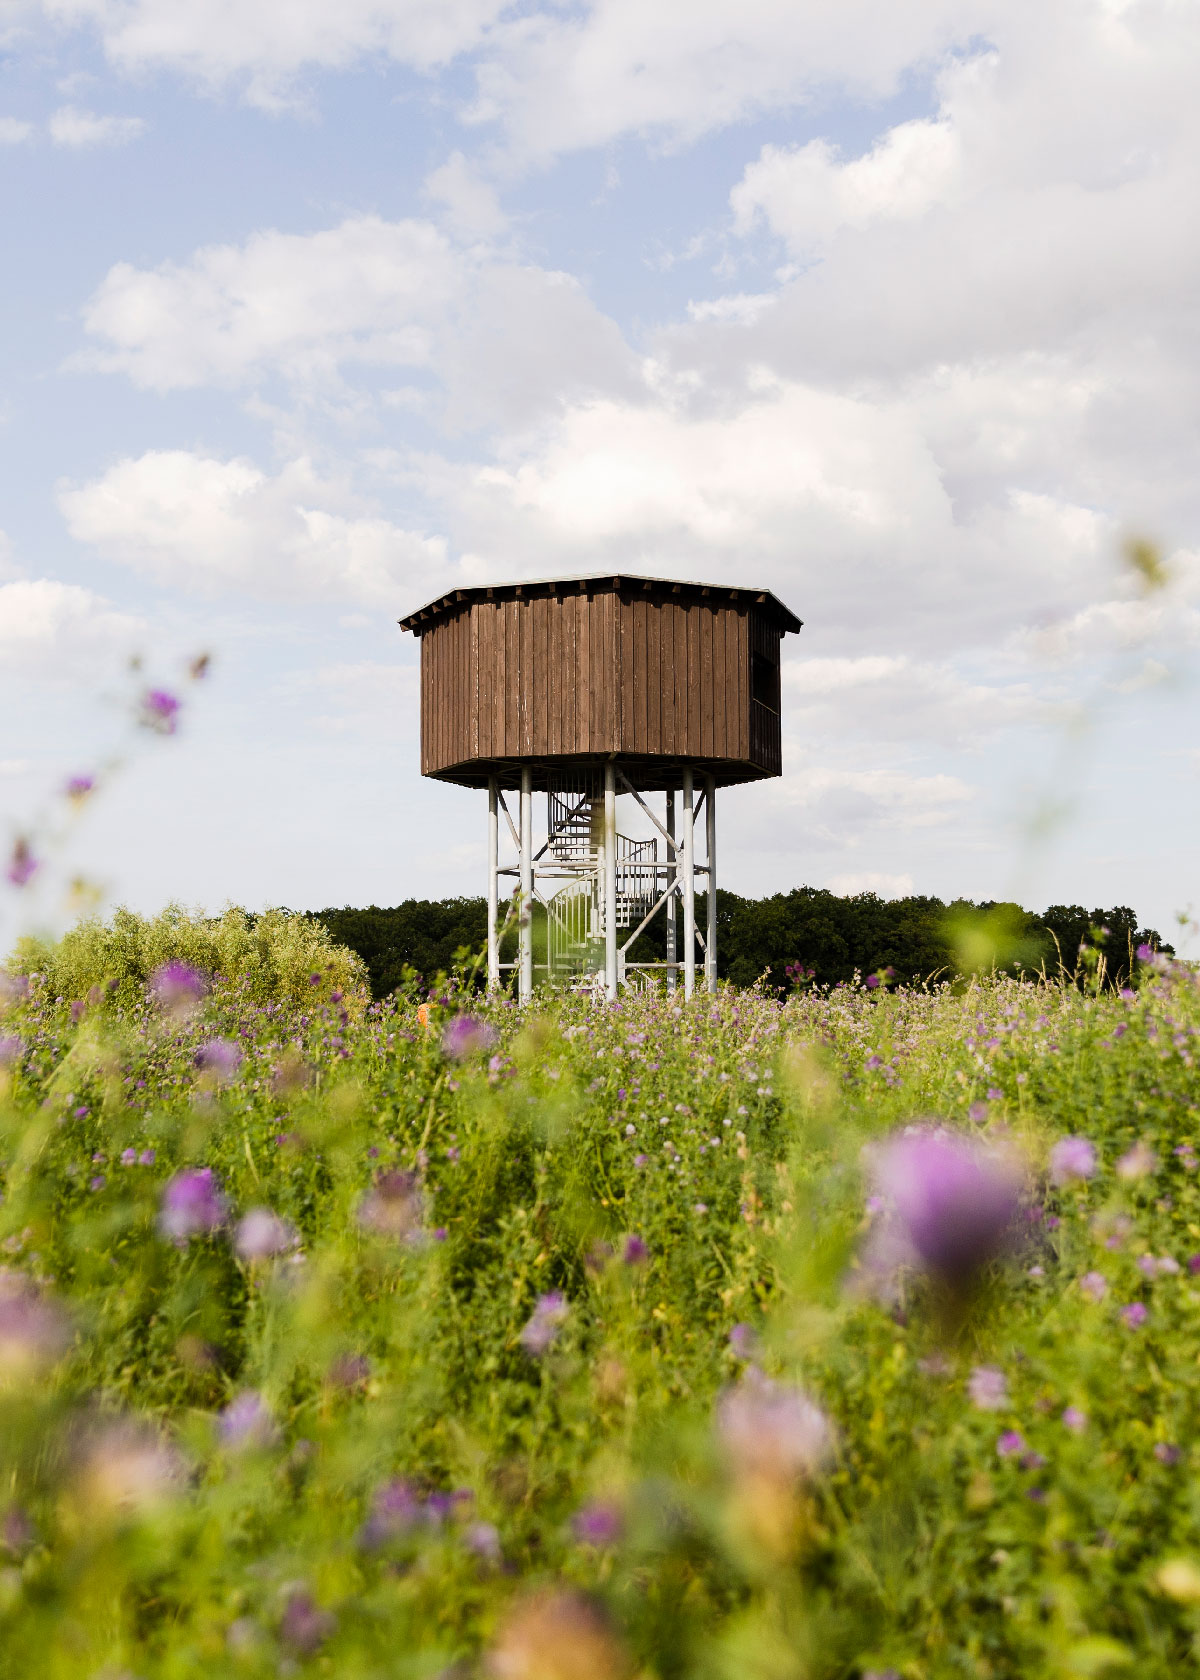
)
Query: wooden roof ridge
[{"x": 520, "y": 588}]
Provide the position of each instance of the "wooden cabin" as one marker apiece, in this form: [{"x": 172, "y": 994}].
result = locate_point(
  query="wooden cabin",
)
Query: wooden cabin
[{"x": 565, "y": 674}]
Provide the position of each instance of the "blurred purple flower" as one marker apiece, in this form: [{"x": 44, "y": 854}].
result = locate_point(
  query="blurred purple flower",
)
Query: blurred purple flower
[
  {"x": 11, "y": 1050},
  {"x": 22, "y": 865},
  {"x": 483, "y": 1539},
  {"x": 988, "y": 1388},
  {"x": 304, "y": 1626},
  {"x": 1094, "y": 1285},
  {"x": 1135, "y": 1315},
  {"x": 261, "y": 1234},
  {"x": 1074, "y": 1419},
  {"x": 773, "y": 1430},
  {"x": 147, "y": 1157},
  {"x": 349, "y": 1369},
  {"x": 1166, "y": 1453},
  {"x": 191, "y": 1205},
  {"x": 640, "y": 1160},
  {"x": 465, "y": 1036},
  {"x": 743, "y": 1341},
  {"x": 395, "y": 1512},
  {"x": 599, "y": 1523},
  {"x": 547, "y": 1319},
  {"x": 393, "y": 1206},
  {"x": 129, "y": 1157},
  {"x": 33, "y": 1330},
  {"x": 1138, "y": 1162},
  {"x": 78, "y": 788},
  {"x": 219, "y": 1057},
  {"x": 1072, "y": 1158},
  {"x": 246, "y": 1423},
  {"x": 97, "y": 1183},
  {"x": 954, "y": 1201},
  {"x": 635, "y": 1252},
  {"x": 177, "y": 986},
  {"x": 1010, "y": 1442},
  {"x": 159, "y": 711}
]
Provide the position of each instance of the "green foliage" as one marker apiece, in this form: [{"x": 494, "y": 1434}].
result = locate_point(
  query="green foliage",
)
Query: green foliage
[
  {"x": 365, "y": 1454},
  {"x": 271, "y": 957}
]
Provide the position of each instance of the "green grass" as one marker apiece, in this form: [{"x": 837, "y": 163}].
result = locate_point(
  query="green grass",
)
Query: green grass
[{"x": 140, "y": 1541}]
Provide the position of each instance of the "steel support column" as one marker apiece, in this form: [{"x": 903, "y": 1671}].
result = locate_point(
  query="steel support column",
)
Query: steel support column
[
  {"x": 526, "y": 921},
  {"x": 610, "y": 881},
  {"x": 710, "y": 937},
  {"x": 689, "y": 887},
  {"x": 493, "y": 887},
  {"x": 672, "y": 905}
]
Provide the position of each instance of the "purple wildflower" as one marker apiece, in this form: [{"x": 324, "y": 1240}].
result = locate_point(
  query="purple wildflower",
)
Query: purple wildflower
[
  {"x": 395, "y": 1512},
  {"x": 1135, "y": 1315},
  {"x": 599, "y": 1523},
  {"x": 988, "y": 1389},
  {"x": 483, "y": 1539},
  {"x": 640, "y": 1160},
  {"x": 1166, "y": 1453},
  {"x": 147, "y": 1157},
  {"x": 394, "y": 1206},
  {"x": 246, "y": 1423},
  {"x": 1074, "y": 1419},
  {"x": 1094, "y": 1285},
  {"x": 304, "y": 1626},
  {"x": 191, "y": 1205},
  {"x": 743, "y": 1341},
  {"x": 11, "y": 1050},
  {"x": 98, "y": 1182},
  {"x": 1010, "y": 1443},
  {"x": 261, "y": 1234},
  {"x": 33, "y": 1330},
  {"x": 771, "y": 1430},
  {"x": 635, "y": 1251},
  {"x": 177, "y": 986},
  {"x": 465, "y": 1036},
  {"x": 22, "y": 865},
  {"x": 78, "y": 788},
  {"x": 547, "y": 1319},
  {"x": 129, "y": 1157},
  {"x": 219, "y": 1057},
  {"x": 159, "y": 711},
  {"x": 954, "y": 1201},
  {"x": 1072, "y": 1158}
]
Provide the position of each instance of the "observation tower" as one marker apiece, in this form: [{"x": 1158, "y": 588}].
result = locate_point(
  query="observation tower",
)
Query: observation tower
[{"x": 589, "y": 690}]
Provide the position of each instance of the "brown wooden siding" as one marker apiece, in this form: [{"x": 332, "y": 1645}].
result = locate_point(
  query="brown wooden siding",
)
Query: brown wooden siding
[{"x": 650, "y": 676}]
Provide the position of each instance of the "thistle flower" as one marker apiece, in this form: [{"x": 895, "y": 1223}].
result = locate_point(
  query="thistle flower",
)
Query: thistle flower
[
  {"x": 1135, "y": 1315},
  {"x": 191, "y": 1205},
  {"x": 465, "y": 1036},
  {"x": 1072, "y": 1158},
  {"x": 394, "y": 1206},
  {"x": 246, "y": 1423},
  {"x": 548, "y": 1318},
  {"x": 599, "y": 1523},
  {"x": 635, "y": 1252},
  {"x": 218, "y": 1057},
  {"x": 1010, "y": 1443},
  {"x": 261, "y": 1234},
  {"x": 177, "y": 987},
  {"x": 22, "y": 865},
  {"x": 1074, "y": 1419},
  {"x": 953, "y": 1202},
  {"x": 988, "y": 1389},
  {"x": 395, "y": 1512},
  {"x": 11, "y": 1050},
  {"x": 559, "y": 1635},
  {"x": 78, "y": 787},
  {"x": 33, "y": 1330},
  {"x": 304, "y": 1625},
  {"x": 159, "y": 711},
  {"x": 772, "y": 1430},
  {"x": 1094, "y": 1285},
  {"x": 743, "y": 1341}
]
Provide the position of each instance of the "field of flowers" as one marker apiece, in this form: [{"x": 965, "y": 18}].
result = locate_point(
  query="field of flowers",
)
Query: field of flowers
[{"x": 852, "y": 1335}]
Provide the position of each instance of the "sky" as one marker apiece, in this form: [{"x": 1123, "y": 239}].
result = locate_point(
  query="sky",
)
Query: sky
[{"x": 310, "y": 311}]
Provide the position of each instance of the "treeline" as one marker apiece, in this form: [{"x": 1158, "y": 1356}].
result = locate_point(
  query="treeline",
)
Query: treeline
[{"x": 828, "y": 937}]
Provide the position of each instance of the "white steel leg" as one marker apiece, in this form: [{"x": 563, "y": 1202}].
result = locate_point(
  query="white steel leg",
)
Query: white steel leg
[
  {"x": 710, "y": 823},
  {"x": 689, "y": 888},
  {"x": 610, "y": 880},
  {"x": 493, "y": 889},
  {"x": 672, "y": 902},
  {"x": 526, "y": 922}
]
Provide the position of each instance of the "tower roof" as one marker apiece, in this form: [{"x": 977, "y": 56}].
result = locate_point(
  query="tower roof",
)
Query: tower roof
[{"x": 623, "y": 583}]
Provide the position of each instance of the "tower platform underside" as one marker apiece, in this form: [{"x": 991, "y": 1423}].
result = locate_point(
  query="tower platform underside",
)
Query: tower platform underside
[{"x": 647, "y": 773}]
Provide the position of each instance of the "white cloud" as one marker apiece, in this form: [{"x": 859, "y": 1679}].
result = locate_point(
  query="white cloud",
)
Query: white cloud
[
  {"x": 470, "y": 204},
  {"x": 266, "y": 43},
  {"x": 54, "y": 630},
  {"x": 208, "y": 525},
  {"x": 69, "y": 126},
  {"x": 14, "y": 132},
  {"x": 871, "y": 881}
]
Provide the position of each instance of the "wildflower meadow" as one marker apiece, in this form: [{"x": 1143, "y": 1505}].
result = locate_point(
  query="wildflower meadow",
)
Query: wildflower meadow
[{"x": 855, "y": 1333}]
